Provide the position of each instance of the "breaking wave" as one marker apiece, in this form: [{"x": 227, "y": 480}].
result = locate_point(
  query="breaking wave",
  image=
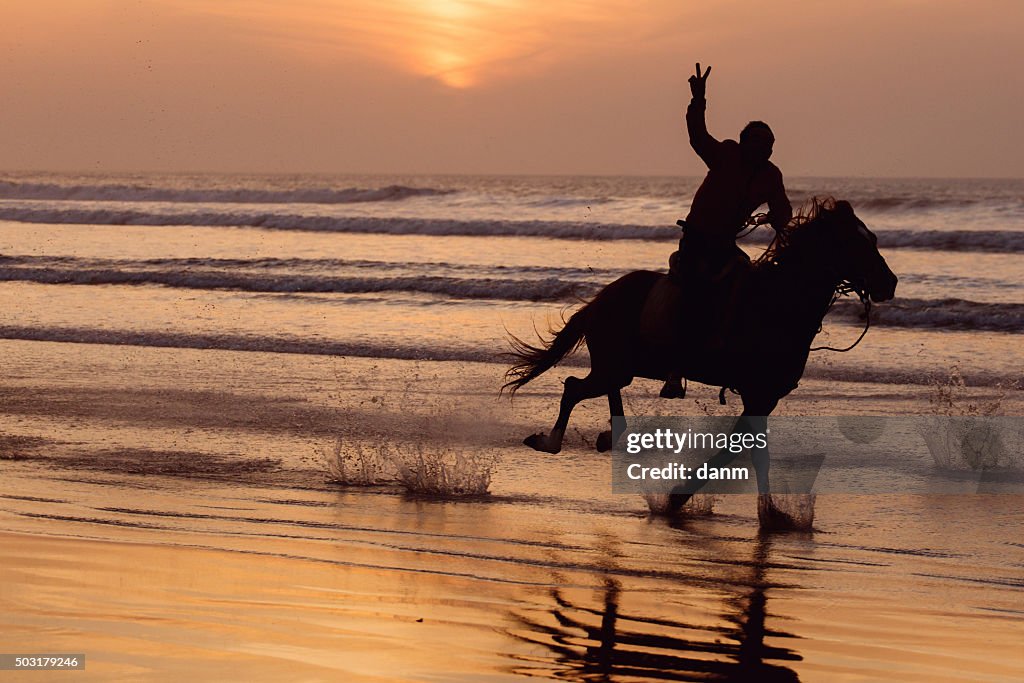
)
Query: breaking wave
[
  {"x": 998, "y": 241},
  {"x": 341, "y": 224},
  {"x": 947, "y": 314},
  {"x": 447, "y": 281},
  {"x": 233, "y": 195},
  {"x": 295, "y": 276},
  {"x": 898, "y": 203},
  {"x": 387, "y": 349},
  {"x": 545, "y": 289}
]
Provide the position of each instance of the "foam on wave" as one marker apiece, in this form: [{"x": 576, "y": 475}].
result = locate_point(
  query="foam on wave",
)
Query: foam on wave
[
  {"x": 143, "y": 193},
  {"x": 365, "y": 277},
  {"x": 546, "y": 289},
  {"x": 387, "y": 349},
  {"x": 999, "y": 241},
  {"x": 950, "y": 314}
]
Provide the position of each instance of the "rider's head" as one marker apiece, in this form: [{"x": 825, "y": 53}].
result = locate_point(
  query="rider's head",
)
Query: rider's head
[{"x": 756, "y": 141}]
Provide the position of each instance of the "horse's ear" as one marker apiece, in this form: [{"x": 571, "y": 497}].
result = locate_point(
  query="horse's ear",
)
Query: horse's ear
[{"x": 843, "y": 207}]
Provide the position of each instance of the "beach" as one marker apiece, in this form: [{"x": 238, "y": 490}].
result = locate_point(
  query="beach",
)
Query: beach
[{"x": 189, "y": 361}]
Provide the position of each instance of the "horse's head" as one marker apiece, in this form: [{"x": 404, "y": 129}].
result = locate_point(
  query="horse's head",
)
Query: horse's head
[{"x": 841, "y": 240}]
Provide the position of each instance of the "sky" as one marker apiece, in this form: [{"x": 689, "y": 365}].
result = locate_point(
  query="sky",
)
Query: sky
[{"x": 872, "y": 88}]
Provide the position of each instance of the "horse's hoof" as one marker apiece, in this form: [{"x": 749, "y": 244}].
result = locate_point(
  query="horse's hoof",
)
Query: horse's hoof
[
  {"x": 778, "y": 521},
  {"x": 676, "y": 501},
  {"x": 770, "y": 518},
  {"x": 672, "y": 391},
  {"x": 539, "y": 442},
  {"x": 604, "y": 441}
]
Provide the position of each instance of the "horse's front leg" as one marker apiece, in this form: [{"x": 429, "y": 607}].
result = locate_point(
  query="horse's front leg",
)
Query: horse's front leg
[
  {"x": 756, "y": 411},
  {"x": 753, "y": 420},
  {"x": 758, "y": 424},
  {"x": 575, "y": 390}
]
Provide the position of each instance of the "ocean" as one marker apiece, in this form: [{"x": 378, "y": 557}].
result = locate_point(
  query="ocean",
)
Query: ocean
[
  {"x": 238, "y": 412},
  {"x": 438, "y": 267}
]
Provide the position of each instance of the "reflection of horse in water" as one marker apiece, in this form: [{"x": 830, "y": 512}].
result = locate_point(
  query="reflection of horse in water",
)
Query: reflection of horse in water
[
  {"x": 591, "y": 643},
  {"x": 782, "y": 300}
]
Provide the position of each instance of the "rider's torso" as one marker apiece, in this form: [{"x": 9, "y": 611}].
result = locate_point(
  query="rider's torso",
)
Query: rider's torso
[{"x": 730, "y": 193}]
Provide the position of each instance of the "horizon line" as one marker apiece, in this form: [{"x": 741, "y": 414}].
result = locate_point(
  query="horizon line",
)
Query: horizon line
[{"x": 467, "y": 174}]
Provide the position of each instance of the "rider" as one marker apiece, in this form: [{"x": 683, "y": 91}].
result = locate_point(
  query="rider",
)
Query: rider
[{"x": 740, "y": 178}]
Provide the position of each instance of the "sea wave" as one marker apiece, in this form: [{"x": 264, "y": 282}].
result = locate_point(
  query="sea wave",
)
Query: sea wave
[
  {"x": 911, "y": 202},
  {"x": 341, "y": 224},
  {"x": 914, "y": 203},
  {"x": 387, "y": 349},
  {"x": 233, "y": 195},
  {"x": 460, "y": 281},
  {"x": 273, "y": 263},
  {"x": 537, "y": 289},
  {"x": 940, "y": 314},
  {"x": 341, "y": 276},
  {"x": 868, "y": 195},
  {"x": 997, "y": 241}
]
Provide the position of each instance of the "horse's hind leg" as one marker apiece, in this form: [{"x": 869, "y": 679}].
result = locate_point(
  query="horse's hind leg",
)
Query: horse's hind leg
[
  {"x": 604, "y": 439},
  {"x": 576, "y": 390}
]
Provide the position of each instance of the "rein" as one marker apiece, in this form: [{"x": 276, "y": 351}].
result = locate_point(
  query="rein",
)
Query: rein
[{"x": 842, "y": 289}]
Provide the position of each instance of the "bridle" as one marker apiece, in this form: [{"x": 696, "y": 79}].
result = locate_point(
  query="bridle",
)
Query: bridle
[{"x": 843, "y": 288}]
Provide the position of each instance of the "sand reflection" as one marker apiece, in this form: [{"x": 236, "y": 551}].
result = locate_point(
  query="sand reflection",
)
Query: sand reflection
[{"x": 603, "y": 641}]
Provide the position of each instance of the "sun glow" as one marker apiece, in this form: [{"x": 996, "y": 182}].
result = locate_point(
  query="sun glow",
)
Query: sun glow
[
  {"x": 460, "y": 43},
  {"x": 450, "y": 68},
  {"x": 442, "y": 43},
  {"x": 455, "y": 40}
]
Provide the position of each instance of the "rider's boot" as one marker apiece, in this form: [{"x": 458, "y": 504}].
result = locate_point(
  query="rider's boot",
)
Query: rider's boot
[{"x": 673, "y": 387}]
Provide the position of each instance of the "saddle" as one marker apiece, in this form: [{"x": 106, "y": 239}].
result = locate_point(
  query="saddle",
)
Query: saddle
[{"x": 688, "y": 306}]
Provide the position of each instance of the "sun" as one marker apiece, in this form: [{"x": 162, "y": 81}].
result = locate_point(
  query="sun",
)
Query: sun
[
  {"x": 451, "y": 39},
  {"x": 451, "y": 68}
]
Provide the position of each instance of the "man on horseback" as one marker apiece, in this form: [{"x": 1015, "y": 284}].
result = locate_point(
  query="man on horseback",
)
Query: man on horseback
[{"x": 740, "y": 178}]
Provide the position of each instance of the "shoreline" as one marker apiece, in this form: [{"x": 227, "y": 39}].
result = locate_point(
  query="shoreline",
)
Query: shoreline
[{"x": 173, "y": 518}]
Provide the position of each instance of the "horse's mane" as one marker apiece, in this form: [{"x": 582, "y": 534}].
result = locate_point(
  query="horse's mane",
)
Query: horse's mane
[{"x": 813, "y": 211}]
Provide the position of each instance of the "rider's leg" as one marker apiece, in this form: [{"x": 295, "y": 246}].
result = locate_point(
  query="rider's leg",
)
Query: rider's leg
[
  {"x": 727, "y": 302},
  {"x": 681, "y": 272}
]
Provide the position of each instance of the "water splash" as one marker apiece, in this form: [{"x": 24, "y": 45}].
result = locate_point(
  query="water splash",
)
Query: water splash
[
  {"x": 699, "y": 505},
  {"x": 357, "y": 465},
  {"x": 786, "y": 511},
  {"x": 952, "y": 397},
  {"x": 429, "y": 449},
  {"x": 445, "y": 474},
  {"x": 963, "y": 434}
]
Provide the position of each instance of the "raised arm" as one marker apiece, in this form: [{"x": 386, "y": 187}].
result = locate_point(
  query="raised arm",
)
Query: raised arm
[{"x": 703, "y": 144}]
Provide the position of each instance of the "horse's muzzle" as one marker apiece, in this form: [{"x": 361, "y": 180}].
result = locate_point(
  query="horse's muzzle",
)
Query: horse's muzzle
[{"x": 882, "y": 285}]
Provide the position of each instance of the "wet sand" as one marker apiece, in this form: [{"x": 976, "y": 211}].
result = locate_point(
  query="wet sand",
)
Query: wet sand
[{"x": 168, "y": 513}]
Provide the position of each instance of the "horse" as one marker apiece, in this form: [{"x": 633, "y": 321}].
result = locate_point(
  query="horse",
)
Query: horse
[{"x": 782, "y": 299}]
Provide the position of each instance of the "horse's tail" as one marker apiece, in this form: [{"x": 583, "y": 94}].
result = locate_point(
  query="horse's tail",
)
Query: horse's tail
[{"x": 532, "y": 361}]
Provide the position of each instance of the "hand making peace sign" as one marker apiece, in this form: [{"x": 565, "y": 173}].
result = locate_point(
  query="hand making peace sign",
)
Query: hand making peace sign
[{"x": 698, "y": 83}]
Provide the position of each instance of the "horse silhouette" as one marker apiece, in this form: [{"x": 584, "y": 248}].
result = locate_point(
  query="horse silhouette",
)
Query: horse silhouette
[{"x": 782, "y": 300}]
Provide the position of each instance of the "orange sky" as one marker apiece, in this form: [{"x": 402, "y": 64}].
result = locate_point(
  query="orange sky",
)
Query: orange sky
[{"x": 884, "y": 87}]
